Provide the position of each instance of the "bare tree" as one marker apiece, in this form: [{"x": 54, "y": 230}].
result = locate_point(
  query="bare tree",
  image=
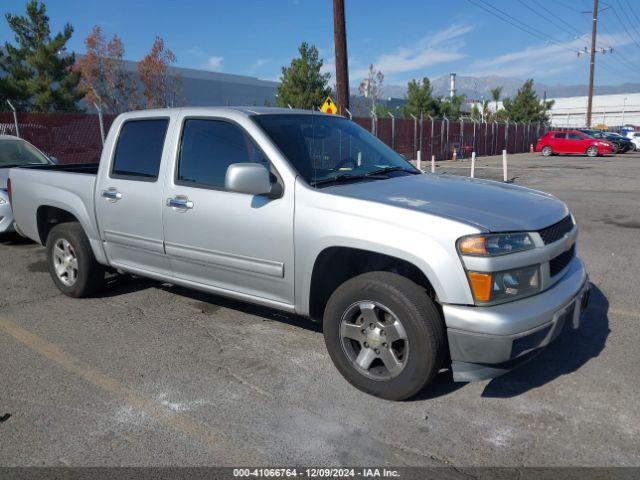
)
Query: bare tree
[{"x": 371, "y": 86}]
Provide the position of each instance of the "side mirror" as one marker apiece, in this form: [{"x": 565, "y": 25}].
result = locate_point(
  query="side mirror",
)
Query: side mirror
[
  {"x": 54, "y": 160},
  {"x": 251, "y": 178}
]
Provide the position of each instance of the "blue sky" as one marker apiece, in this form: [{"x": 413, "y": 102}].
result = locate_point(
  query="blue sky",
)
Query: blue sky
[{"x": 405, "y": 38}]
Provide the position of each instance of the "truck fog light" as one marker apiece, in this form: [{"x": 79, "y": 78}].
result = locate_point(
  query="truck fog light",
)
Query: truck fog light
[{"x": 499, "y": 287}]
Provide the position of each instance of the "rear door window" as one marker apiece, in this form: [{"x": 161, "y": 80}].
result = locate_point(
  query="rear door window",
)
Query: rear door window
[
  {"x": 574, "y": 136},
  {"x": 139, "y": 149}
]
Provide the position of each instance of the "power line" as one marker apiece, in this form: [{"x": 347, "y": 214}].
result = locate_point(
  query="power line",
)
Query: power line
[
  {"x": 505, "y": 17},
  {"x": 617, "y": 52},
  {"x": 630, "y": 22},
  {"x": 613, "y": 8},
  {"x": 550, "y": 18},
  {"x": 632, "y": 11}
]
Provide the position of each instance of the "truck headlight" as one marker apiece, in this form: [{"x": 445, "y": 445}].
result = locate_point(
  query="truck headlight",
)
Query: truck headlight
[
  {"x": 487, "y": 245},
  {"x": 499, "y": 287}
]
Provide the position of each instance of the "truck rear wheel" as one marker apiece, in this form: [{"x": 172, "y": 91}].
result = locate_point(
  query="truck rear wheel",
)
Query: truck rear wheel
[
  {"x": 384, "y": 334},
  {"x": 72, "y": 265}
]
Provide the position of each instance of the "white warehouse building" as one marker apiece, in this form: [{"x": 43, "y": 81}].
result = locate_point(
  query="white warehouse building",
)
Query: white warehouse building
[{"x": 608, "y": 110}]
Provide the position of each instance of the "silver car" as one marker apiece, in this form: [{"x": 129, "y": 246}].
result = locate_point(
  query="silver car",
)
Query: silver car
[{"x": 15, "y": 152}]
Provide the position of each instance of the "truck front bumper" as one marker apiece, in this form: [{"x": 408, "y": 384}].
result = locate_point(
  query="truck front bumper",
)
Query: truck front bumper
[{"x": 485, "y": 342}]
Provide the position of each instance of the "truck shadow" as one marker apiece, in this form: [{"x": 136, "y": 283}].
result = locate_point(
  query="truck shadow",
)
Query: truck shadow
[
  {"x": 13, "y": 239},
  {"x": 565, "y": 355},
  {"x": 207, "y": 303}
]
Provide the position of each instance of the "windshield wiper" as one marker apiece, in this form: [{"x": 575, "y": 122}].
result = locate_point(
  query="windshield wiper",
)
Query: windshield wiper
[
  {"x": 343, "y": 177},
  {"x": 382, "y": 171},
  {"x": 337, "y": 179}
]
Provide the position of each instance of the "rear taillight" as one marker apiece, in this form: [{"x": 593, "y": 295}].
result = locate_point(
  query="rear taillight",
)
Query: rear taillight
[{"x": 9, "y": 189}]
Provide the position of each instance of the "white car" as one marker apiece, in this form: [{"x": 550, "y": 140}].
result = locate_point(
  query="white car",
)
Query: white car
[
  {"x": 635, "y": 139},
  {"x": 15, "y": 152}
]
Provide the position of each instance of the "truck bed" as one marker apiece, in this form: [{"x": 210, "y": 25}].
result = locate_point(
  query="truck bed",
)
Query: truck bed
[{"x": 67, "y": 187}]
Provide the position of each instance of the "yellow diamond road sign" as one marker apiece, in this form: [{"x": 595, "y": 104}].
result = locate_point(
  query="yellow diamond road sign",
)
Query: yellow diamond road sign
[{"x": 329, "y": 106}]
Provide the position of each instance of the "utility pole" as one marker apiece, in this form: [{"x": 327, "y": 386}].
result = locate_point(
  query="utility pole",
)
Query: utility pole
[
  {"x": 592, "y": 63},
  {"x": 342, "y": 67}
]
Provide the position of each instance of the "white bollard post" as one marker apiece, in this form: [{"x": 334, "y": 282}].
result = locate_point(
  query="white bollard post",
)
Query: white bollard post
[
  {"x": 433, "y": 164},
  {"x": 504, "y": 165},
  {"x": 419, "y": 160},
  {"x": 473, "y": 164}
]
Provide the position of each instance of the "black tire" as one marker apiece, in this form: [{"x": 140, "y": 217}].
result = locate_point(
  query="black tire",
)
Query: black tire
[
  {"x": 90, "y": 274},
  {"x": 422, "y": 324},
  {"x": 546, "y": 151},
  {"x": 592, "y": 151}
]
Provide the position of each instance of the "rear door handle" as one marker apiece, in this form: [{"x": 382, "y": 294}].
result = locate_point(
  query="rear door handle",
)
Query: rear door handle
[
  {"x": 112, "y": 194},
  {"x": 180, "y": 202}
]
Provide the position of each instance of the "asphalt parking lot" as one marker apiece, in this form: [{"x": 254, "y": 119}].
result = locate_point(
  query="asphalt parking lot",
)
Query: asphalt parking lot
[{"x": 150, "y": 374}]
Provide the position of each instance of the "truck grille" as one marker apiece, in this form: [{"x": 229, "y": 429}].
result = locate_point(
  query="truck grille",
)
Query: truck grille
[
  {"x": 557, "y": 264},
  {"x": 556, "y": 231}
]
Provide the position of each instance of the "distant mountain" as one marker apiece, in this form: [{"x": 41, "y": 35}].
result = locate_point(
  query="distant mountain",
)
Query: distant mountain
[{"x": 478, "y": 87}]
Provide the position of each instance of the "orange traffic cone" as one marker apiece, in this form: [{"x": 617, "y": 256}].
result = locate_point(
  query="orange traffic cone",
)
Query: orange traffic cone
[
  {"x": 531, "y": 148},
  {"x": 455, "y": 155}
]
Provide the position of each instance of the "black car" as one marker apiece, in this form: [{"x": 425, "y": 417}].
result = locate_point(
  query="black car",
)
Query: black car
[{"x": 620, "y": 143}]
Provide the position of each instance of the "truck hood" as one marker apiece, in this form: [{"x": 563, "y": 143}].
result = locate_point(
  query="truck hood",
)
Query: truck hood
[
  {"x": 4, "y": 175},
  {"x": 492, "y": 206}
]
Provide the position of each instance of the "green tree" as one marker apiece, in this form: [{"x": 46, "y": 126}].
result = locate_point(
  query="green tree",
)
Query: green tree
[
  {"x": 419, "y": 99},
  {"x": 302, "y": 84},
  {"x": 451, "y": 107},
  {"x": 39, "y": 75},
  {"x": 495, "y": 95},
  {"x": 526, "y": 106}
]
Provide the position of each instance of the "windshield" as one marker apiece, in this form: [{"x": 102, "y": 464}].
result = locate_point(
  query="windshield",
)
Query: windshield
[
  {"x": 326, "y": 149},
  {"x": 15, "y": 153}
]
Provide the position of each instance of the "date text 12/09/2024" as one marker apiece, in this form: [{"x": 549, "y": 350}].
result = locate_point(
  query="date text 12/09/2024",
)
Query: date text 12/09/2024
[{"x": 315, "y": 473}]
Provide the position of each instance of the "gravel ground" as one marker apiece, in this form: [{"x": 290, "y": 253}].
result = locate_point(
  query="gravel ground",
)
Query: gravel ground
[{"x": 150, "y": 374}]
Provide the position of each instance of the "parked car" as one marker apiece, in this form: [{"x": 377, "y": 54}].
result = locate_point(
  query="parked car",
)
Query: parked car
[
  {"x": 573, "y": 142},
  {"x": 635, "y": 139},
  {"x": 311, "y": 214},
  {"x": 14, "y": 152},
  {"x": 620, "y": 143}
]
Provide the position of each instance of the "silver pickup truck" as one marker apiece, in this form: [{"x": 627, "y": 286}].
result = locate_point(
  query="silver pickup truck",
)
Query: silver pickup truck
[{"x": 308, "y": 213}]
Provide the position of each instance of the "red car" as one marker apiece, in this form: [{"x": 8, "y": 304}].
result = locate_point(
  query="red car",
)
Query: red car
[{"x": 573, "y": 142}]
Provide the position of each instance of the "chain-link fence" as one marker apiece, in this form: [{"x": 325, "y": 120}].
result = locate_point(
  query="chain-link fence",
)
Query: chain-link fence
[
  {"x": 70, "y": 137},
  {"x": 76, "y": 137},
  {"x": 442, "y": 137}
]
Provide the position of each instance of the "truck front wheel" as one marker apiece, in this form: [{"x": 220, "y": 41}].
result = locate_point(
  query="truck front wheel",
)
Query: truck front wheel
[
  {"x": 72, "y": 265},
  {"x": 384, "y": 334}
]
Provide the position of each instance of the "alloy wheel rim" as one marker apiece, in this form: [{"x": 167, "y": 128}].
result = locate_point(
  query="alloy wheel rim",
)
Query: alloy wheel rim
[
  {"x": 374, "y": 340},
  {"x": 65, "y": 262}
]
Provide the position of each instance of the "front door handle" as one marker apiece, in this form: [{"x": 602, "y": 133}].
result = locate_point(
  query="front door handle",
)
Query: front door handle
[
  {"x": 112, "y": 194},
  {"x": 180, "y": 202}
]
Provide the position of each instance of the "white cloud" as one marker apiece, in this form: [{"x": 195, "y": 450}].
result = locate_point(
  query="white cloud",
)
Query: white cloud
[
  {"x": 542, "y": 61},
  {"x": 441, "y": 47},
  {"x": 215, "y": 63}
]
